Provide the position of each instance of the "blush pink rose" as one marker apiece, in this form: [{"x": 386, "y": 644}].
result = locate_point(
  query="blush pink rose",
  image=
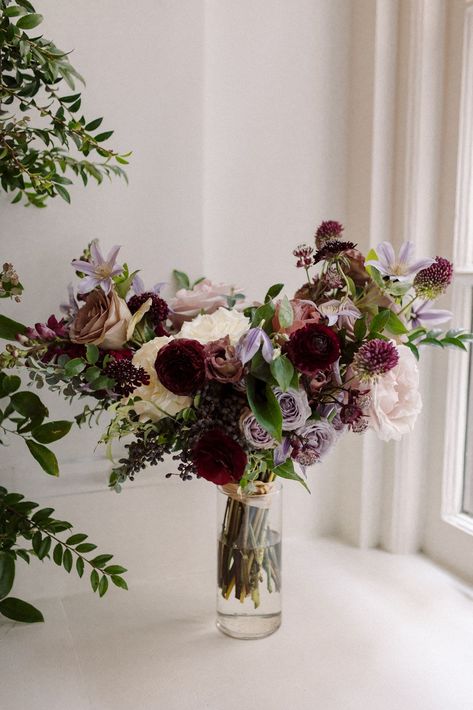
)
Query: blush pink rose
[
  {"x": 395, "y": 399},
  {"x": 205, "y": 297}
]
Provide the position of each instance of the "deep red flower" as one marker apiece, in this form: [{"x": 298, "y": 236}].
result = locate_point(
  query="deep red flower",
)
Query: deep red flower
[
  {"x": 218, "y": 458},
  {"x": 180, "y": 366},
  {"x": 312, "y": 348}
]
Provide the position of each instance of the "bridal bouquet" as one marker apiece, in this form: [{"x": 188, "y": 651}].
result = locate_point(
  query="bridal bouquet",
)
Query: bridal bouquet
[{"x": 239, "y": 394}]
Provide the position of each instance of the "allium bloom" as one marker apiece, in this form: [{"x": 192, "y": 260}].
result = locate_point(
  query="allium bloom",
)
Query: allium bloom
[
  {"x": 375, "y": 357},
  {"x": 99, "y": 271},
  {"x": 294, "y": 407},
  {"x": 332, "y": 249},
  {"x": 251, "y": 342},
  {"x": 180, "y": 366},
  {"x": 422, "y": 314},
  {"x": 103, "y": 320},
  {"x": 430, "y": 283},
  {"x": 314, "y": 441},
  {"x": 218, "y": 458},
  {"x": 221, "y": 361},
  {"x": 254, "y": 433},
  {"x": 313, "y": 347},
  {"x": 126, "y": 375},
  {"x": 402, "y": 268},
  {"x": 155, "y": 401},
  {"x": 333, "y": 310},
  {"x": 204, "y": 297},
  {"x": 303, "y": 254},
  {"x": 395, "y": 399},
  {"x": 327, "y": 232},
  {"x": 304, "y": 311},
  {"x": 208, "y": 327}
]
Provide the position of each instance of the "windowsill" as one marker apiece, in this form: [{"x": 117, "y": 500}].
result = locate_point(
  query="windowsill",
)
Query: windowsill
[{"x": 361, "y": 629}]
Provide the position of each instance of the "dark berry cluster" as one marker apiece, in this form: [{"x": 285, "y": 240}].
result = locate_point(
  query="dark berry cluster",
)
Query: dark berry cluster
[
  {"x": 332, "y": 249},
  {"x": 126, "y": 375},
  {"x": 159, "y": 310}
]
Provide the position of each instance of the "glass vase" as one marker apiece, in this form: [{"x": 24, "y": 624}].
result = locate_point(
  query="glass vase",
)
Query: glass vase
[{"x": 249, "y": 531}]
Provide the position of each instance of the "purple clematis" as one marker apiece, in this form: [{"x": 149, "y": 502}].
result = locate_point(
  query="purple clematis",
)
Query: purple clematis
[
  {"x": 421, "y": 315},
  {"x": 402, "y": 268},
  {"x": 99, "y": 271},
  {"x": 138, "y": 286},
  {"x": 334, "y": 309},
  {"x": 251, "y": 342}
]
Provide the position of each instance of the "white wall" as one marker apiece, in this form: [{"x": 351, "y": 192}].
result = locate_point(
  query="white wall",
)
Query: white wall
[{"x": 236, "y": 113}]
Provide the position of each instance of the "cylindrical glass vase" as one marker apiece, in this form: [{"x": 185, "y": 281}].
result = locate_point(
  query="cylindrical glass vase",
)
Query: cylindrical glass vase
[{"x": 249, "y": 531}]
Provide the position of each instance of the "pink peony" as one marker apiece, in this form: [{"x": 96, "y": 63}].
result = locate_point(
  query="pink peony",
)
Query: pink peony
[
  {"x": 205, "y": 297},
  {"x": 395, "y": 399}
]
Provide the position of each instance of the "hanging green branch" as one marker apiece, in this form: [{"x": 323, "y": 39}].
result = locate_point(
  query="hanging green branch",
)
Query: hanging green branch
[{"x": 40, "y": 124}]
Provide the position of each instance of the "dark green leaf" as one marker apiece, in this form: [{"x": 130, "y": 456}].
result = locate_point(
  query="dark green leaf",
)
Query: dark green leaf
[
  {"x": 86, "y": 547},
  {"x": 395, "y": 325},
  {"x": 19, "y": 610},
  {"x": 92, "y": 354},
  {"x": 29, "y": 405},
  {"x": 9, "y": 384},
  {"x": 93, "y": 124},
  {"x": 119, "y": 582},
  {"x": 265, "y": 406},
  {"x": 286, "y": 470},
  {"x": 74, "y": 367},
  {"x": 62, "y": 192},
  {"x": 273, "y": 291},
  {"x": 28, "y": 22},
  {"x": 67, "y": 560},
  {"x": 101, "y": 560},
  {"x": 94, "y": 580},
  {"x": 7, "y": 573},
  {"x": 360, "y": 329},
  {"x": 9, "y": 328},
  {"x": 380, "y": 321},
  {"x": 103, "y": 585},
  {"x": 282, "y": 370},
  {"x": 80, "y": 566},
  {"x": 263, "y": 313},
  {"x": 36, "y": 542},
  {"x": 44, "y": 456},
  {"x": 101, "y": 137},
  {"x": 51, "y": 431},
  {"x": 44, "y": 548},
  {"x": 76, "y": 539},
  {"x": 115, "y": 569},
  {"x": 57, "y": 554}
]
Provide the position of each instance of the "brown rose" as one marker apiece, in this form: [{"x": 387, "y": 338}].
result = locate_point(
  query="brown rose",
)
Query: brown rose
[
  {"x": 304, "y": 312},
  {"x": 102, "y": 320},
  {"x": 221, "y": 362}
]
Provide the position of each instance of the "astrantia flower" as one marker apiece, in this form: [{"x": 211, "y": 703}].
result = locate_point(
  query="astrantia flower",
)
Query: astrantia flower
[
  {"x": 158, "y": 310},
  {"x": 294, "y": 407},
  {"x": 403, "y": 267},
  {"x": 327, "y": 232},
  {"x": 303, "y": 254},
  {"x": 430, "y": 283},
  {"x": 180, "y": 366},
  {"x": 218, "y": 458},
  {"x": 313, "y": 347},
  {"x": 422, "y": 314},
  {"x": 254, "y": 433},
  {"x": 374, "y": 358},
  {"x": 208, "y": 327},
  {"x": 126, "y": 375},
  {"x": 395, "y": 399},
  {"x": 99, "y": 271},
  {"x": 155, "y": 400},
  {"x": 332, "y": 249}
]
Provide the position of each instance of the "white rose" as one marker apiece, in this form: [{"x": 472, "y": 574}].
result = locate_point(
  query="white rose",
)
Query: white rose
[
  {"x": 209, "y": 327},
  {"x": 396, "y": 400},
  {"x": 156, "y": 401}
]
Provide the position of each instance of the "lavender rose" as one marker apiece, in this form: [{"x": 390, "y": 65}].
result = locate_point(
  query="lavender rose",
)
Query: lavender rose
[
  {"x": 294, "y": 407},
  {"x": 102, "y": 320},
  {"x": 254, "y": 433},
  {"x": 221, "y": 362},
  {"x": 314, "y": 440}
]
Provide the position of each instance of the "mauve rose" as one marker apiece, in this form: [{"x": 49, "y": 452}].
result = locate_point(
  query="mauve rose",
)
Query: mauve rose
[
  {"x": 205, "y": 297},
  {"x": 357, "y": 271},
  {"x": 254, "y": 433},
  {"x": 315, "y": 439},
  {"x": 180, "y": 366},
  {"x": 218, "y": 458},
  {"x": 294, "y": 407},
  {"x": 304, "y": 312},
  {"x": 102, "y": 320},
  {"x": 313, "y": 347},
  {"x": 221, "y": 362}
]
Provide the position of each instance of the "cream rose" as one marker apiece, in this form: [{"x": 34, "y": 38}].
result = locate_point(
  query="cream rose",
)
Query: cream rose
[
  {"x": 395, "y": 399},
  {"x": 155, "y": 400},
  {"x": 103, "y": 320},
  {"x": 206, "y": 328}
]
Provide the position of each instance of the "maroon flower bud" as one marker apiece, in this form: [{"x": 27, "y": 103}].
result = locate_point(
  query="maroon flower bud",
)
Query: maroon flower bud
[{"x": 180, "y": 366}]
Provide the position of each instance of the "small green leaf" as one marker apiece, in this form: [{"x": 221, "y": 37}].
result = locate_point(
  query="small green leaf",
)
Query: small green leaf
[
  {"x": 44, "y": 548},
  {"x": 263, "y": 313},
  {"x": 92, "y": 354},
  {"x": 76, "y": 539},
  {"x": 101, "y": 137},
  {"x": 119, "y": 581},
  {"x": 455, "y": 342},
  {"x": 182, "y": 280},
  {"x": 51, "y": 431},
  {"x": 57, "y": 554},
  {"x": 285, "y": 313},
  {"x": 19, "y": 610},
  {"x": 44, "y": 456},
  {"x": 115, "y": 569},
  {"x": 28, "y": 404},
  {"x": 74, "y": 367},
  {"x": 9, "y": 384},
  {"x": 103, "y": 585},
  {"x": 85, "y": 547},
  {"x": 93, "y": 124},
  {"x": 286, "y": 470},
  {"x": 360, "y": 329},
  {"x": 7, "y": 573},
  {"x": 273, "y": 291},
  {"x": 62, "y": 192},
  {"x": 282, "y": 370},
  {"x": 28, "y": 22},
  {"x": 395, "y": 325},
  {"x": 379, "y": 322},
  {"x": 67, "y": 560},
  {"x": 265, "y": 406},
  {"x": 80, "y": 566},
  {"x": 101, "y": 560},
  {"x": 94, "y": 580}
]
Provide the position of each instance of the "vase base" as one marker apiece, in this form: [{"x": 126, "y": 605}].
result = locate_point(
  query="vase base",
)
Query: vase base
[{"x": 248, "y": 626}]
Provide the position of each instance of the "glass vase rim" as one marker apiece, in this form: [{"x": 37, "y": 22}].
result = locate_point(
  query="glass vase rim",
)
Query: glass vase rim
[{"x": 276, "y": 489}]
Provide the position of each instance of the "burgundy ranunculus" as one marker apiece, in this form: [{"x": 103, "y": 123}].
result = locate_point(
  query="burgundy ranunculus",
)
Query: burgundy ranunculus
[
  {"x": 313, "y": 347},
  {"x": 180, "y": 366},
  {"x": 218, "y": 458}
]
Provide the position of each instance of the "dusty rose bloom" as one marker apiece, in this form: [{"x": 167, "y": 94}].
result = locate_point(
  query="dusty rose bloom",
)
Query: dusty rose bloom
[
  {"x": 357, "y": 270},
  {"x": 205, "y": 297},
  {"x": 304, "y": 312},
  {"x": 102, "y": 320},
  {"x": 221, "y": 362}
]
